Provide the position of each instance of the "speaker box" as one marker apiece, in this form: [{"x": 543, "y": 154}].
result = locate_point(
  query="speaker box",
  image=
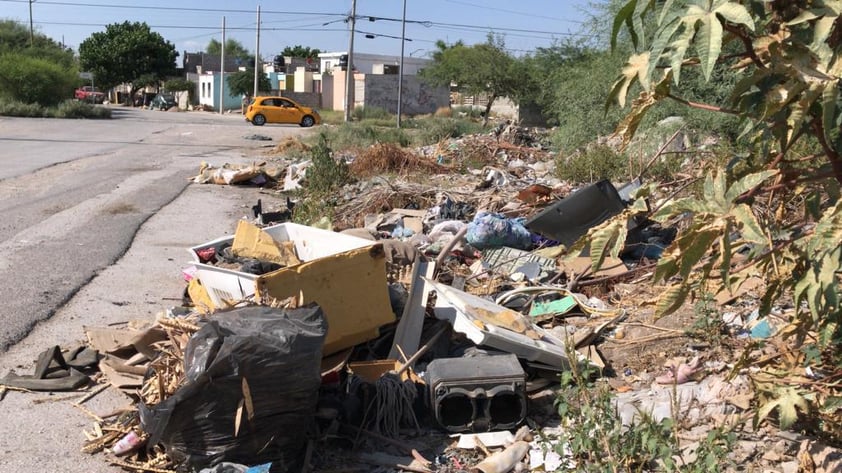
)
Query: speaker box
[{"x": 477, "y": 394}]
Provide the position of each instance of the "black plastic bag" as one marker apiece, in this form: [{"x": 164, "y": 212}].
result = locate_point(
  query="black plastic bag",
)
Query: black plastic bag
[{"x": 278, "y": 352}]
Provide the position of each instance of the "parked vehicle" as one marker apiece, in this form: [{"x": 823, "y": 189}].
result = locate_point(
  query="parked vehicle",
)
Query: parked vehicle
[
  {"x": 264, "y": 110},
  {"x": 89, "y": 94},
  {"x": 163, "y": 102}
]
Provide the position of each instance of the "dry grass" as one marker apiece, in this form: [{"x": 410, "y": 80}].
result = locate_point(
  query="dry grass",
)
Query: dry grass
[
  {"x": 444, "y": 112},
  {"x": 290, "y": 144},
  {"x": 387, "y": 158}
]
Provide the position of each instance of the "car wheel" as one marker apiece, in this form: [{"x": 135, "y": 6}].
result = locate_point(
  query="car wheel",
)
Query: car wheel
[
  {"x": 258, "y": 120},
  {"x": 307, "y": 121}
]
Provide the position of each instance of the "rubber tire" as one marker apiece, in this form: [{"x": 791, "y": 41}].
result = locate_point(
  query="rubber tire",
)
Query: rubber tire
[
  {"x": 258, "y": 120},
  {"x": 307, "y": 121}
]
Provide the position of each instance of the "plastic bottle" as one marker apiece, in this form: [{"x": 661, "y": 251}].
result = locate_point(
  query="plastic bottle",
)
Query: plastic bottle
[{"x": 126, "y": 444}]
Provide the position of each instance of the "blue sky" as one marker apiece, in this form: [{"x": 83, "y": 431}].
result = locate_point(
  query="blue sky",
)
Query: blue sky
[{"x": 190, "y": 24}]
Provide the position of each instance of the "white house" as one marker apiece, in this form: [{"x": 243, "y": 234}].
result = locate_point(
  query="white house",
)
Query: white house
[{"x": 374, "y": 63}]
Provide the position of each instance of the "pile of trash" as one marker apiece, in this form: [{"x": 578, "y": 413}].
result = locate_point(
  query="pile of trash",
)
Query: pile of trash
[{"x": 425, "y": 329}]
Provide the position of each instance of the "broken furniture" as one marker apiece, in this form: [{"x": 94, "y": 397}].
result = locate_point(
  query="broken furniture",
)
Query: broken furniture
[{"x": 335, "y": 270}]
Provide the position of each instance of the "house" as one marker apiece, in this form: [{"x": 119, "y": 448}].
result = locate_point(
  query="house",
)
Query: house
[
  {"x": 375, "y": 81},
  {"x": 208, "y": 93}
]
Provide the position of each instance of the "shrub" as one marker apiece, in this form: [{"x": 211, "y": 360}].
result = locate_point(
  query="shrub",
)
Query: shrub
[
  {"x": 75, "y": 109},
  {"x": 34, "y": 80},
  {"x": 595, "y": 163},
  {"x": 363, "y": 135},
  {"x": 370, "y": 113},
  {"x": 15, "y": 108},
  {"x": 433, "y": 130}
]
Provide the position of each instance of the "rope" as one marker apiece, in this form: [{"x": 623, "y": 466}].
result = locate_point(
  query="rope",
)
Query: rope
[{"x": 393, "y": 405}]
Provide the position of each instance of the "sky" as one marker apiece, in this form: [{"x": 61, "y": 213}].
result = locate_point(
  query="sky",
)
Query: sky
[{"x": 191, "y": 24}]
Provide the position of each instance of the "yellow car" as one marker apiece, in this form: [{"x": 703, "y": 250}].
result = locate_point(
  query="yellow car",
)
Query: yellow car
[{"x": 280, "y": 110}]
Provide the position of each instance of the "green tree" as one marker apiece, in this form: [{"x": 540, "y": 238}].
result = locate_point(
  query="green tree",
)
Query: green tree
[
  {"x": 242, "y": 83},
  {"x": 14, "y": 37},
  {"x": 788, "y": 100},
  {"x": 481, "y": 68},
  {"x": 301, "y": 51},
  {"x": 125, "y": 53},
  {"x": 233, "y": 49}
]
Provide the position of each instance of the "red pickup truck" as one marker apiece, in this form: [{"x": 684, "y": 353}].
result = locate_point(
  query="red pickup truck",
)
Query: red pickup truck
[{"x": 89, "y": 94}]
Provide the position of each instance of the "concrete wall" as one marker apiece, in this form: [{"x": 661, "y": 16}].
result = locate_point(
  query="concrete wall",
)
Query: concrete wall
[
  {"x": 418, "y": 98},
  {"x": 310, "y": 99},
  {"x": 303, "y": 80},
  {"x": 365, "y": 63},
  {"x": 327, "y": 91}
]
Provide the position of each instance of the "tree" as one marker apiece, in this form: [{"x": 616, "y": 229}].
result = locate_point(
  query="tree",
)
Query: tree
[
  {"x": 14, "y": 37},
  {"x": 242, "y": 83},
  {"x": 481, "y": 68},
  {"x": 788, "y": 100},
  {"x": 125, "y": 53},
  {"x": 301, "y": 51},
  {"x": 42, "y": 72},
  {"x": 233, "y": 49}
]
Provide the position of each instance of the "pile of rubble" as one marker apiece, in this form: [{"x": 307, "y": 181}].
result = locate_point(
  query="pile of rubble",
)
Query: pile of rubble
[{"x": 427, "y": 333}]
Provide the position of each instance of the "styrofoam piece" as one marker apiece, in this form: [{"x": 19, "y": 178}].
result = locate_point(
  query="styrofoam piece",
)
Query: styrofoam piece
[
  {"x": 486, "y": 439},
  {"x": 457, "y": 307},
  {"x": 310, "y": 243}
]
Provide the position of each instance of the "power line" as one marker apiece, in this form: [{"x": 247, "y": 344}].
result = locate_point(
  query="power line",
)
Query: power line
[
  {"x": 189, "y": 27},
  {"x": 513, "y": 12},
  {"x": 138, "y": 7}
]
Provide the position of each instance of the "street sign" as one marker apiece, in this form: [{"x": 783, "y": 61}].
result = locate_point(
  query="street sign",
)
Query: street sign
[{"x": 86, "y": 75}]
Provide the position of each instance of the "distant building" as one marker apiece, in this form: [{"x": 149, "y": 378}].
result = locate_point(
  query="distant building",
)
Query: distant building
[{"x": 365, "y": 63}]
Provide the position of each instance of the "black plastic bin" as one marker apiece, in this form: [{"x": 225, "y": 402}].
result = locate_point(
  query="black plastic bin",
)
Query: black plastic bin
[{"x": 568, "y": 219}]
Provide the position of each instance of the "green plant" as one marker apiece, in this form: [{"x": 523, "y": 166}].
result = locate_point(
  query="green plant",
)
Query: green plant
[
  {"x": 325, "y": 174},
  {"x": 434, "y": 129},
  {"x": 370, "y": 113},
  {"x": 594, "y": 163},
  {"x": 595, "y": 438},
  {"x": 34, "y": 80},
  {"x": 788, "y": 57},
  {"x": 362, "y": 135},
  {"x": 707, "y": 324},
  {"x": 594, "y": 434},
  {"x": 76, "y": 109}
]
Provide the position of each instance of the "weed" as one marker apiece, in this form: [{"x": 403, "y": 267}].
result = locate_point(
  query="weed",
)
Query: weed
[
  {"x": 432, "y": 130},
  {"x": 596, "y": 440},
  {"x": 325, "y": 174},
  {"x": 384, "y": 158},
  {"x": 708, "y": 325},
  {"x": 595, "y": 163},
  {"x": 370, "y": 113},
  {"x": 363, "y": 135}
]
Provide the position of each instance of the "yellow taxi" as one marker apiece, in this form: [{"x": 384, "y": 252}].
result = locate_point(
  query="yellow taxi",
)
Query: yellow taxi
[{"x": 264, "y": 110}]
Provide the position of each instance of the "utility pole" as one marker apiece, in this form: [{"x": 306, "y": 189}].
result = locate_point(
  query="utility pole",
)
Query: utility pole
[
  {"x": 31, "y": 30},
  {"x": 258, "y": 64},
  {"x": 222, "y": 71},
  {"x": 400, "y": 68},
  {"x": 349, "y": 71}
]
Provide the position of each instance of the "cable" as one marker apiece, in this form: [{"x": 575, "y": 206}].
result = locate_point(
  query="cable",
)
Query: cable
[
  {"x": 513, "y": 12},
  {"x": 188, "y": 27},
  {"x": 138, "y": 7}
]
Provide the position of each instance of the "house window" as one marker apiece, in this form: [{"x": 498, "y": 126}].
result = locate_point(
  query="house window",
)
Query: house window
[{"x": 327, "y": 65}]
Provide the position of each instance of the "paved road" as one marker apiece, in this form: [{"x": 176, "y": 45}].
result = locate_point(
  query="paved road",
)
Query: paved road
[{"x": 74, "y": 192}]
